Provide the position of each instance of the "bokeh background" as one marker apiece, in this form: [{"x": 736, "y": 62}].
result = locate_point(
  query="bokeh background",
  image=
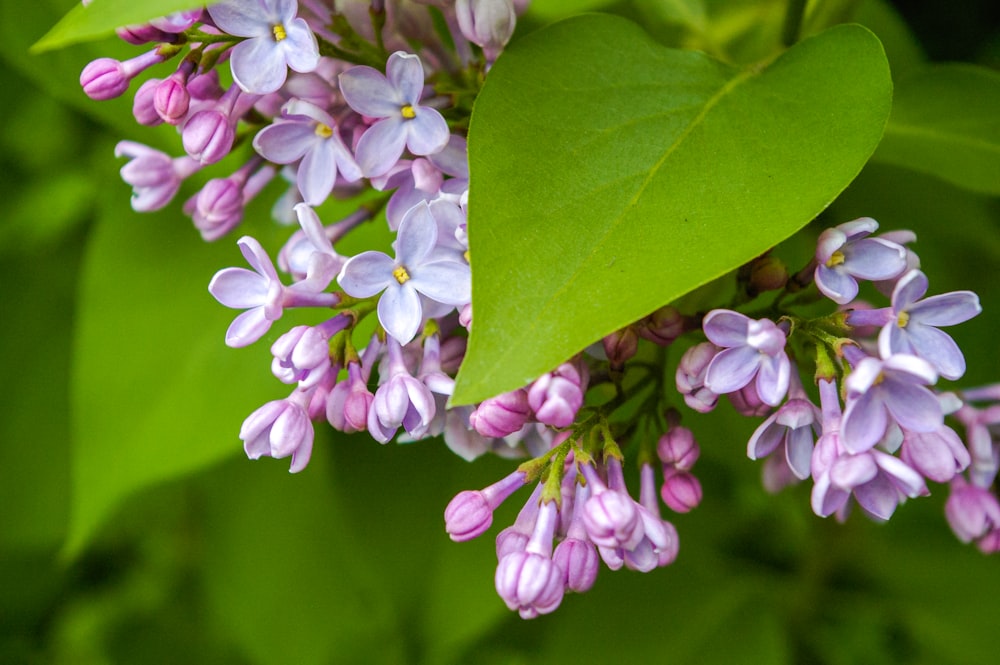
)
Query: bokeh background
[{"x": 133, "y": 529}]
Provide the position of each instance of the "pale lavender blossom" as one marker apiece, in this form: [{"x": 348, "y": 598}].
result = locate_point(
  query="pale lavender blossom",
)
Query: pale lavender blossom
[
  {"x": 576, "y": 556},
  {"x": 413, "y": 274},
  {"x": 209, "y": 132},
  {"x": 470, "y": 513},
  {"x": 302, "y": 355},
  {"x": 144, "y": 104},
  {"x": 218, "y": 207},
  {"x": 845, "y": 254},
  {"x": 750, "y": 349},
  {"x": 279, "y": 429},
  {"x": 791, "y": 432},
  {"x": 106, "y": 78},
  {"x": 610, "y": 516},
  {"x": 349, "y": 402},
  {"x": 556, "y": 397},
  {"x": 882, "y": 392},
  {"x": 913, "y": 328},
  {"x": 403, "y": 400},
  {"x": 393, "y": 99},
  {"x": 938, "y": 455},
  {"x": 681, "y": 490},
  {"x": 154, "y": 176},
  {"x": 972, "y": 511},
  {"x": 487, "y": 23},
  {"x": 501, "y": 415},
  {"x": 690, "y": 378},
  {"x": 276, "y": 41},
  {"x": 262, "y": 294},
  {"x": 678, "y": 448},
  {"x": 308, "y": 133},
  {"x": 529, "y": 581},
  {"x": 668, "y": 549}
]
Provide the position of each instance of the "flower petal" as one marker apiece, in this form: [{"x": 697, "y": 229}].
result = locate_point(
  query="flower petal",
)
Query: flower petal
[
  {"x": 381, "y": 146},
  {"x": 400, "y": 313},
  {"x": 836, "y": 284},
  {"x": 258, "y": 65},
  {"x": 239, "y": 288},
  {"x": 366, "y": 274},
  {"x": 247, "y": 328},
  {"x": 448, "y": 282},
  {"x": 864, "y": 422},
  {"x": 368, "y": 92},
  {"x": 914, "y": 407},
  {"x": 726, "y": 328},
  {"x": 910, "y": 288},
  {"x": 317, "y": 173},
  {"x": 937, "y": 348},
  {"x": 947, "y": 309},
  {"x": 874, "y": 258},
  {"x": 406, "y": 75},
  {"x": 427, "y": 132},
  {"x": 285, "y": 142},
  {"x": 416, "y": 237},
  {"x": 299, "y": 46},
  {"x": 731, "y": 369}
]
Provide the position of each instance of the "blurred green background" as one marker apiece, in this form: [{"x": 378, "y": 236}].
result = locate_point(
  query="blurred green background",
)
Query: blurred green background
[{"x": 118, "y": 392}]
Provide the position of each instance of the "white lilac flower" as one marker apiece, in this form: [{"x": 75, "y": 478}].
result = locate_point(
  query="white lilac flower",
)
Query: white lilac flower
[
  {"x": 276, "y": 40},
  {"x": 414, "y": 273},
  {"x": 845, "y": 254},
  {"x": 913, "y": 328},
  {"x": 751, "y": 349},
  {"x": 394, "y": 100},
  {"x": 308, "y": 133}
]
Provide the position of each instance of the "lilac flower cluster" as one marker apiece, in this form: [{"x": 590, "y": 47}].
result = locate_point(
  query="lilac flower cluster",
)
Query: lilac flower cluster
[
  {"x": 334, "y": 100},
  {"x": 332, "y": 96}
]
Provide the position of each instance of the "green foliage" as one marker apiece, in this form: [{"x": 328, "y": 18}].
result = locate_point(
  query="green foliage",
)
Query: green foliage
[
  {"x": 148, "y": 331},
  {"x": 946, "y": 121},
  {"x": 101, "y": 17},
  {"x": 649, "y": 166}
]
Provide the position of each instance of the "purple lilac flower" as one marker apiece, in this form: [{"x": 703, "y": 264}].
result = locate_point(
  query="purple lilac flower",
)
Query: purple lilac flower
[
  {"x": 667, "y": 552},
  {"x": 913, "y": 328},
  {"x": 972, "y": 511},
  {"x": 501, "y": 415},
  {"x": 394, "y": 99},
  {"x": 209, "y": 132},
  {"x": 154, "y": 176},
  {"x": 681, "y": 490},
  {"x": 106, "y": 78},
  {"x": 845, "y": 254},
  {"x": 218, "y": 207},
  {"x": 276, "y": 40},
  {"x": 262, "y": 294},
  {"x": 937, "y": 455},
  {"x": 470, "y": 513},
  {"x": 690, "y": 378},
  {"x": 487, "y": 23},
  {"x": 576, "y": 556},
  {"x": 279, "y": 429},
  {"x": 414, "y": 273},
  {"x": 610, "y": 516},
  {"x": 557, "y": 396},
  {"x": 402, "y": 400},
  {"x": 302, "y": 355},
  {"x": 529, "y": 581},
  {"x": 144, "y": 104},
  {"x": 880, "y": 392},
  {"x": 678, "y": 448},
  {"x": 308, "y": 133},
  {"x": 790, "y": 431},
  {"x": 750, "y": 349}
]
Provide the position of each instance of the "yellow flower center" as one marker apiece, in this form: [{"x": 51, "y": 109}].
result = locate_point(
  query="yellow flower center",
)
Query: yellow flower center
[
  {"x": 408, "y": 112},
  {"x": 279, "y": 32},
  {"x": 835, "y": 259},
  {"x": 902, "y": 319},
  {"x": 878, "y": 379},
  {"x": 465, "y": 255},
  {"x": 401, "y": 275},
  {"x": 323, "y": 131}
]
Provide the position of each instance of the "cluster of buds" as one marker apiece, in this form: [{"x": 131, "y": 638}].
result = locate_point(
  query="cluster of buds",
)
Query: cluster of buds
[{"x": 580, "y": 514}]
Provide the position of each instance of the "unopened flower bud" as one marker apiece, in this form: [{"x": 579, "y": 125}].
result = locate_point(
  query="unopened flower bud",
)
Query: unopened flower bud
[
  {"x": 621, "y": 345},
  {"x": 681, "y": 491},
  {"x": 488, "y": 23},
  {"x": 662, "y": 326},
  {"x": 501, "y": 415},
  {"x": 767, "y": 273},
  {"x": 677, "y": 448}
]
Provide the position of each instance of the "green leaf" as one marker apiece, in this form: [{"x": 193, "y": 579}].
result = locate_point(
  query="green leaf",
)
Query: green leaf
[
  {"x": 612, "y": 175},
  {"x": 155, "y": 393},
  {"x": 946, "y": 122},
  {"x": 101, "y": 17}
]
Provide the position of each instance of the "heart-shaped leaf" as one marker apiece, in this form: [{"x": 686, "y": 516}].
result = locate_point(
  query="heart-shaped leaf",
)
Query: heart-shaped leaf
[{"x": 611, "y": 175}]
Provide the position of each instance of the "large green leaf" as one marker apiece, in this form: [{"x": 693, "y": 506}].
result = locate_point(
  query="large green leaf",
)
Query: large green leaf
[
  {"x": 101, "y": 17},
  {"x": 612, "y": 175},
  {"x": 946, "y": 122}
]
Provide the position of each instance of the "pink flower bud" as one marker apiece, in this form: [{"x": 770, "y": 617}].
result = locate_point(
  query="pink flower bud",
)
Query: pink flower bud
[
  {"x": 143, "y": 108},
  {"x": 501, "y": 415},
  {"x": 681, "y": 491},
  {"x": 662, "y": 326},
  {"x": 678, "y": 448}
]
